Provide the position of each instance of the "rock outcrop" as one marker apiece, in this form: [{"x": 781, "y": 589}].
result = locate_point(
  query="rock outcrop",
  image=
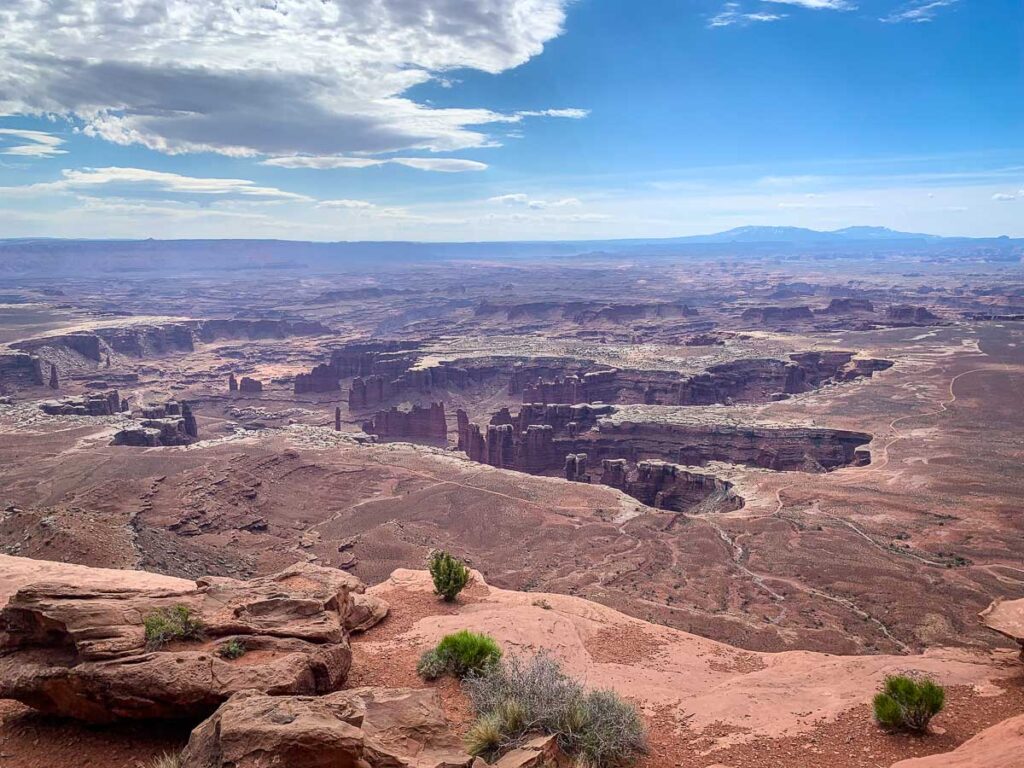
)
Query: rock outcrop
[
  {"x": 232, "y": 383},
  {"x": 662, "y": 485},
  {"x": 323, "y": 378},
  {"x": 906, "y": 314},
  {"x": 1007, "y": 618},
  {"x": 250, "y": 385},
  {"x": 776, "y": 315},
  {"x": 54, "y": 379},
  {"x": 364, "y": 727},
  {"x": 81, "y": 650},
  {"x": 1001, "y": 746},
  {"x": 419, "y": 423},
  {"x": 20, "y": 369},
  {"x": 99, "y": 404}
]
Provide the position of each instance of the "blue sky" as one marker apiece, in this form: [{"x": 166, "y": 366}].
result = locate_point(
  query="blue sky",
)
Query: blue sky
[{"x": 509, "y": 119}]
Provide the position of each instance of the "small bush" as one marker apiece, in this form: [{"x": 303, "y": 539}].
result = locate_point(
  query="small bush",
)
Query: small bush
[
  {"x": 459, "y": 654},
  {"x": 449, "y": 574},
  {"x": 166, "y": 760},
  {"x": 515, "y": 698},
  {"x": 908, "y": 704},
  {"x": 231, "y": 650},
  {"x": 167, "y": 624}
]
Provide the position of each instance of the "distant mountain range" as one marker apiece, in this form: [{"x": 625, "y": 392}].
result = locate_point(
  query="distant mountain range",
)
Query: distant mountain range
[
  {"x": 801, "y": 235},
  {"x": 51, "y": 257}
]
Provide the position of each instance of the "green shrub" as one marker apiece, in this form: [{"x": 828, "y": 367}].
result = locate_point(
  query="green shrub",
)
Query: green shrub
[
  {"x": 515, "y": 698},
  {"x": 231, "y": 650},
  {"x": 908, "y": 704},
  {"x": 167, "y": 624},
  {"x": 459, "y": 654},
  {"x": 449, "y": 574}
]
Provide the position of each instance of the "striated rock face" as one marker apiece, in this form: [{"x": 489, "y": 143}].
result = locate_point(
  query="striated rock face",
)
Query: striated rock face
[
  {"x": 576, "y": 468},
  {"x": 804, "y": 449},
  {"x": 100, "y": 404},
  {"x": 20, "y": 369},
  {"x": 422, "y": 423},
  {"x": 368, "y": 392},
  {"x": 149, "y": 340},
  {"x": 162, "y": 424},
  {"x": 213, "y": 330},
  {"x": 323, "y": 378},
  {"x": 909, "y": 315},
  {"x": 763, "y": 380},
  {"x": 776, "y": 315},
  {"x": 250, "y": 385},
  {"x": 80, "y": 651},
  {"x": 849, "y": 306},
  {"x": 366, "y": 727},
  {"x": 662, "y": 485}
]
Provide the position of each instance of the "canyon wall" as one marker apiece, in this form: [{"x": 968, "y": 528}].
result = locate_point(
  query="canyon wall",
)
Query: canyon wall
[{"x": 419, "y": 423}]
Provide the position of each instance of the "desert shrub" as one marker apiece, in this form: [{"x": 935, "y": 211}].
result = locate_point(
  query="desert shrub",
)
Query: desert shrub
[
  {"x": 167, "y": 624},
  {"x": 518, "y": 697},
  {"x": 166, "y": 760},
  {"x": 459, "y": 654},
  {"x": 449, "y": 574},
  {"x": 232, "y": 649},
  {"x": 908, "y": 704}
]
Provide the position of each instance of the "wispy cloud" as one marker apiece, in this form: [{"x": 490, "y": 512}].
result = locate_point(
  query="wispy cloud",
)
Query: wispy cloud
[
  {"x": 731, "y": 14},
  {"x": 571, "y": 113},
  {"x": 1003, "y": 197},
  {"x": 917, "y": 12},
  {"x": 520, "y": 199},
  {"x": 331, "y": 162},
  {"x": 819, "y": 5},
  {"x": 30, "y": 143},
  {"x": 138, "y": 183}
]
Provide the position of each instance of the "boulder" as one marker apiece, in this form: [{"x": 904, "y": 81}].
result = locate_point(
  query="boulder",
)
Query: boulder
[
  {"x": 1001, "y": 746},
  {"x": 364, "y": 727},
  {"x": 1007, "y": 618},
  {"x": 81, "y": 650},
  {"x": 539, "y": 752},
  {"x": 364, "y": 612}
]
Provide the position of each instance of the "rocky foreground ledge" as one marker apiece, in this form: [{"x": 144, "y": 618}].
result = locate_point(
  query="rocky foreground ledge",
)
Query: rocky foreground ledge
[
  {"x": 72, "y": 642},
  {"x": 79, "y": 647}
]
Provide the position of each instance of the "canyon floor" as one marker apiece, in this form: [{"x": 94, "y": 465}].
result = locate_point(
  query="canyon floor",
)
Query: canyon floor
[{"x": 795, "y": 479}]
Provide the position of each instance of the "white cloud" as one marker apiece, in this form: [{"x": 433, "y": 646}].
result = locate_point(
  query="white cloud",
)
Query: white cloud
[
  {"x": 520, "y": 199},
  {"x": 818, "y": 5},
  {"x": 321, "y": 162},
  {"x": 917, "y": 12},
  {"x": 571, "y": 113},
  {"x": 137, "y": 183},
  {"x": 30, "y": 143},
  {"x": 360, "y": 205},
  {"x": 732, "y": 14},
  {"x": 1003, "y": 196},
  {"x": 250, "y": 77}
]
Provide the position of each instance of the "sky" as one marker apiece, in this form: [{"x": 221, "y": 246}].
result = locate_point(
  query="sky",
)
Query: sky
[{"x": 453, "y": 120}]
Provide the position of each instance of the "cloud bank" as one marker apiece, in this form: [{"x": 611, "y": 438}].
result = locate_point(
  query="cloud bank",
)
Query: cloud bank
[{"x": 248, "y": 77}]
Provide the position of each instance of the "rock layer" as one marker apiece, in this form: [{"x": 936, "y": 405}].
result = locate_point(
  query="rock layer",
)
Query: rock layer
[{"x": 81, "y": 651}]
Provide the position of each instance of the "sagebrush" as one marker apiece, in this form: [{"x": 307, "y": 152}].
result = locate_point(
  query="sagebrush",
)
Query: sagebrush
[
  {"x": 167, "y": 624},
  {"x": 908, "y": 704},
  {"x": 449, "y": 573},
  {"x": 459, "y": 654},
  {"x": 166, "y": 760},
  {"x": 518, "y": 697}
]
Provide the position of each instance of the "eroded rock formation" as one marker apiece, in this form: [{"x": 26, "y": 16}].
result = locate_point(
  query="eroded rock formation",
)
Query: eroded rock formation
[
  {"x": 776, "y": 315},
  {"x": 663, "y": 485},
  {"x": 906, "y": 314},
  {"x": 250, "y": 385},
  {"x": 419, "y": 423},
  {"x": 323, "y": 378},
  {"x": 365, "y": 727},
  {"x": 20, "y": 369},
  {"x": 81, "y": 651},
  {"x": 99, "y": 404}
]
